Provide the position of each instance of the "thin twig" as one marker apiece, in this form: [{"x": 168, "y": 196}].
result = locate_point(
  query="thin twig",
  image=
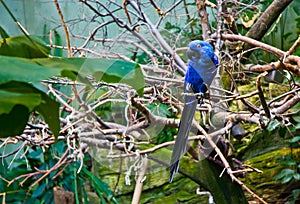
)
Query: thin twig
[
  {"x": 87, "y": 109},
  {"x": 65, "y": 28},
  {"x": 14, "y": 151},
  {"x": 56, "y": 166},
  {"x": 293, "y": 47}
]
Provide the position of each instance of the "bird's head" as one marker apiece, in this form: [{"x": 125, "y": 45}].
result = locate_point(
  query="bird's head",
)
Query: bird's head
[{"x": 198, "y": 48}]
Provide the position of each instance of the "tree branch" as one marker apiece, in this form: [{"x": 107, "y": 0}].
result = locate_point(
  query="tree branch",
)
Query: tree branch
[
  {"x": 268, "y": 17},
  {"x": 65, "y": 28}
]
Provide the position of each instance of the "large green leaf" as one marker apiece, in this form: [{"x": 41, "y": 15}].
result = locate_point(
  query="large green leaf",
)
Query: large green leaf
[
  {"x": 35, "y": 70},
  {"x": 107, "y": 70},
  {"x": 17, "y": 75},
  {"x": 14, "y": 122},
  {"x": 19, "y": 69},
  {"x": 41, "y": 102},
  {"x": 9, "y": 99},
  {"x": 24, "y": 46}
]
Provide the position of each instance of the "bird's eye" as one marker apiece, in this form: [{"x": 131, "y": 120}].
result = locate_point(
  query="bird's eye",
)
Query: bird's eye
[{"x": 198, "y": 45}]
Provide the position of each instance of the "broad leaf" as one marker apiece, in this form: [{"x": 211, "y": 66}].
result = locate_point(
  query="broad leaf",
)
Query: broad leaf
[
  {"x": 9, "y": 99},
  {"x": 285, "y": 173},
  {"x": 17, "y": 75},
  {"x": 46, "y": 106},
  {"x": 296, "y": 176},
  {"x": 18, "y": 69},
  {"x": 107, "y": 70},
  {"x": 294, "y": 139},
  {"x": 24, "y": 46},
  {"x": 14, "y": 122},
  {"x": 39, "y": 190}
]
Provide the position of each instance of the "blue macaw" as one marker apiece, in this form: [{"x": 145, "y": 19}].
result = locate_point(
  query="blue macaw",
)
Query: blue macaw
[{"x": 202, "y": 68}]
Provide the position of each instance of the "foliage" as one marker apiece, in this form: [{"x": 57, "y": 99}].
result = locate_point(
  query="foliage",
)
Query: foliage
[
  {"x": 291, "y": 172},
  {"x": 16, "y": 70},
  {"x": 120, "y": 96},
  {"x": 23, "y": 191},
  {"x": 19, "y": 99},
  {"x": 283, "y": 33}
]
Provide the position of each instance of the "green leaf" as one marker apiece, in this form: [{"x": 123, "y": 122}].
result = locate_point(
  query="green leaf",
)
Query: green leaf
[
  {"x": 48, "y": 197},
  {"x": 296, "y": 176},
  {"x": 57, "y": 41},
  {"x": 47, "y": 107},
  {"x": 287, "y": 179},
  {"x": 15, "y": 196},
  {"x": 282, "y": 131},
  {"x": 296, "y": 193},
  {"x": 35, "y": 70},
  {"x": 284, "y": 31},
  {"x": 14, "y": 122},
  {"x": 159, "y": 109},
  {"x": 18, "y": 69},
  {"x": 9, "y": 99},
  {"x": 297, "y": 126},
  {"x": 37, "y": 154},
  {"x": 99, "y": 186},
  {"x": 107, "y": 70},
  {"x": 273, "y": 125},
  {"x": 50, "y": 111},
  {"x": 294, "y": 139},
  {"x": 24, "y": 46},
  {"x": 3, "y": 33},
  {"x": 285, "y": 175},
  {"x": 296, "y": 118},
  {"x": 15, "y": 71},
  {"x": 39, "y": 190}
]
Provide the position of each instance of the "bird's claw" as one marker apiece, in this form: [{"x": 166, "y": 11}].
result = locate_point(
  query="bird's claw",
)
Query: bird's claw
[{"x": 199, "y": 95}]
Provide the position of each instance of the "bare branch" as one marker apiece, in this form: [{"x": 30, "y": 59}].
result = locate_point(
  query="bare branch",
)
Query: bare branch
[{"x": 65, "y": 28}]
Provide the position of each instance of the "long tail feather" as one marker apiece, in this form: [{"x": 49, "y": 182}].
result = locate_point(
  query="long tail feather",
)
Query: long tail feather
[{"x": 183, "y": 132}]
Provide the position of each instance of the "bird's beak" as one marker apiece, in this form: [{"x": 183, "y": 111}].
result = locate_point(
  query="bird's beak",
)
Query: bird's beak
[{"x": 193, "y": 54}]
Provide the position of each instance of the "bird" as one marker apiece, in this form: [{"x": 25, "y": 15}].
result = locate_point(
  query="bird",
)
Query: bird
[{"x": 201, "y": 70}]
